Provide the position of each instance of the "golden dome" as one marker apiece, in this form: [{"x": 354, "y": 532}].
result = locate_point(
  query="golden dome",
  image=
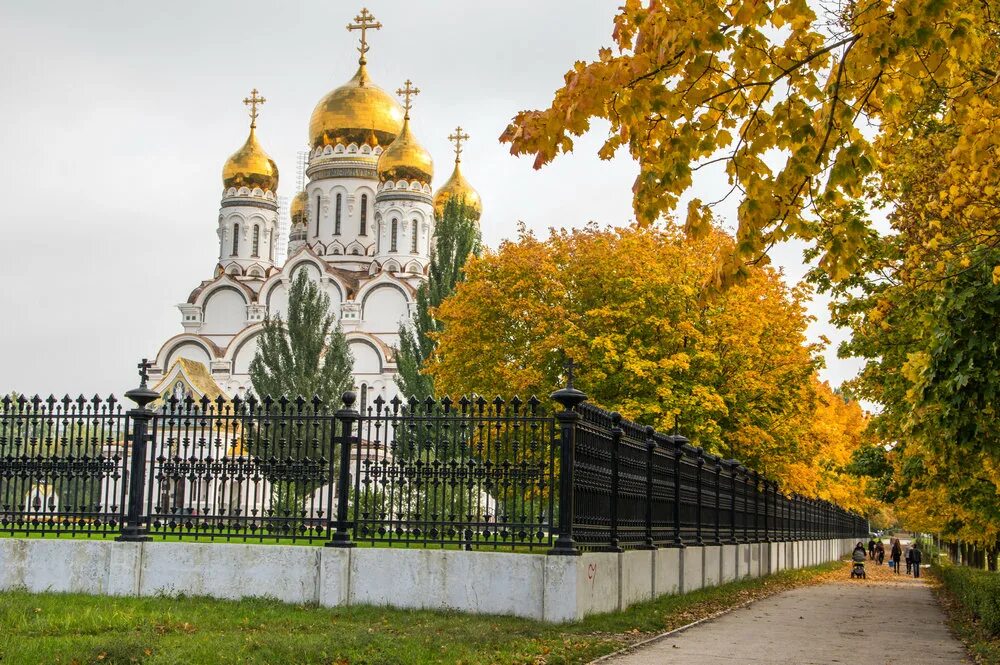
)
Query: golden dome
[
  {"x": 458, "y": 188},
  {"x": 300, "y": 204},
  {"x": 406, "y": 159},
  {"x": 356, "y": 112},
  {"x": 250, "y": 167}
]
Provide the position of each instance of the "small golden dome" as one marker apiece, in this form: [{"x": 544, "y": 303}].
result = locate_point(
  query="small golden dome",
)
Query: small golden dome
[
  {"x": 406, "y": 159},
  {"x": 300, "y": 204},
  {"x": 458, "y": 188},
  {"x": 250, "y": 167},
  {"x": 357, "y": 112}
]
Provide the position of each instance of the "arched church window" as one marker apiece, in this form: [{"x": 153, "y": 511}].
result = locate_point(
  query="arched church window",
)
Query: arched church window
[
  {"x": 392, "y": 235},
  {"x": 364, "y": 215},
  {"x": 364, "y": 398},
  {"x": 336, "y": 217},
  {"x": 236, "y": 239},
  {"x": 270, "y": 251},
  {"x": 317, "y": 216},
  {"x": 413, "y": 240},
  {"x": 256, "y": 240}
]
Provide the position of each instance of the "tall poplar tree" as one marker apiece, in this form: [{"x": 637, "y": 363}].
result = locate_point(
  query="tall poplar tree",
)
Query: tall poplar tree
[
  {"x": 457, "y": 237},
  {"x": 308, "y": 354}
]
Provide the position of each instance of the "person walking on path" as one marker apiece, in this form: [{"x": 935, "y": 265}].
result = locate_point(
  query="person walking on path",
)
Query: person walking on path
[
  {"x": 871, "y": 548},
  {"x": 896, "y": 553},
  {"x": 915, "y": 557},
  {"x": 909, "y": 558},
  {"x": 879, "y": 552}
]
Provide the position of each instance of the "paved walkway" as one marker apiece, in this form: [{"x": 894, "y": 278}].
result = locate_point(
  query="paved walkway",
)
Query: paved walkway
[{"x": 876, "y": 622}]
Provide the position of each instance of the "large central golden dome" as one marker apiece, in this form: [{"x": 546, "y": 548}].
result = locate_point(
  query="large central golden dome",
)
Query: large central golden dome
[
  {"x": 250, "y": 167},
  {"x": 356, "y": 112}
]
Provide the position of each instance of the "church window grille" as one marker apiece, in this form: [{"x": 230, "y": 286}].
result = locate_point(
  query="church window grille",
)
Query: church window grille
[
  {"x": 336, "y": 217},
  {"x": 317, "y": 217},
  {"x": 256, "y": 241},
  {"x": 393, "y": 233},
  {"x": 236, "y": 239},
  {"x": 413, "y": 240},
  {"x": 364, "y": 215},
  {"x": 364, "y": 398}
]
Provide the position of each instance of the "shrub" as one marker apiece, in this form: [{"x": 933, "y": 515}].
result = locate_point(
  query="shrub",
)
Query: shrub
[{"x": 979, "y": 592}]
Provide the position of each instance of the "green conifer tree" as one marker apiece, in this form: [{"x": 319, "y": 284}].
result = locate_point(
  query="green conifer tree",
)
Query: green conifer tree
[
  {"x": 457, "y": 237},
  {"x": 306, "y": 356}
]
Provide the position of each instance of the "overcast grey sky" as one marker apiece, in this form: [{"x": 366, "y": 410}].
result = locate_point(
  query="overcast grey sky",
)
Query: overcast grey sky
[{"x": 116, "y": 118}]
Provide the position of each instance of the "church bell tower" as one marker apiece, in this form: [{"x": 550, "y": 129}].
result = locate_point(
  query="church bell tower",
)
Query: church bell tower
[{"x": 248, "y": 215}]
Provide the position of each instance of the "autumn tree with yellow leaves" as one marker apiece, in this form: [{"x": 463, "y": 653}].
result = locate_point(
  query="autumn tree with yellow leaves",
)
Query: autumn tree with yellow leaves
[
  {"x": 734, "y": 373},
  {"x": 787, "y": 94}
]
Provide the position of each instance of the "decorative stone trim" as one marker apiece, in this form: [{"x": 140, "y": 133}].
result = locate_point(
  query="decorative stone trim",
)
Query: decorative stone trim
[
  {"x": 343, "y": 172},
  {"x": 249, "y": 203}
]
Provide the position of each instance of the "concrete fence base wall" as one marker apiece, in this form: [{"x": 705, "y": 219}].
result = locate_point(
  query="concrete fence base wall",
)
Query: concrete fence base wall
[{"x": 549, "y": 588}]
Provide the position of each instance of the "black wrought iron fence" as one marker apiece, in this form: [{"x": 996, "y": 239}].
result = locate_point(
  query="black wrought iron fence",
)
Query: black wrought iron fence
[
  {"x": 241, "y": 469},
  {"x": 472, "y": 473},
  {"x": 62, "y": 465}
]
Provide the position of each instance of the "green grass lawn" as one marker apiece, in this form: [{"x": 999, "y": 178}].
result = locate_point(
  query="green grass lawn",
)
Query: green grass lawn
[{"x": 72, "y": 628}]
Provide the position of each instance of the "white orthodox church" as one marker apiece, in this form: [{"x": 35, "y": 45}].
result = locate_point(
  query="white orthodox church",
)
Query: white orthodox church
[{"x": 363, "y": 227}]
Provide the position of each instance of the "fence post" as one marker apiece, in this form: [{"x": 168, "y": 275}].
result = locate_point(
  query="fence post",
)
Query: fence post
[
  {"x": 650, "y": 451},
  {"x": 698, "y": 494},
  {"x": 133, "y": 528},
  {"x": 678, "y": 442},
  {"x": 734, "y": 469},
  {"x": 718, "y": 502},
  {"x": 756, "y": 506},
  {"x": 570, "y": 398},
  {"x": 616, "y": 441},
  {"x": 346, "y": 417}
]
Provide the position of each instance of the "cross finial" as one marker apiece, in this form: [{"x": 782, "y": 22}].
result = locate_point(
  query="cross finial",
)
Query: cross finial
[
  {"x": 144, "y": 371},
  {"x": 253, "y": 101},
  {"x": 364, "y": 22},
  {"x": 406, "y": 93},
  {"x": 569, "y": 366},
  {"x": 458, "y": 138}
]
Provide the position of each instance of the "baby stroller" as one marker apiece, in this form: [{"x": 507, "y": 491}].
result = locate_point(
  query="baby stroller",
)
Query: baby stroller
[{"x": 858, "y": 569}]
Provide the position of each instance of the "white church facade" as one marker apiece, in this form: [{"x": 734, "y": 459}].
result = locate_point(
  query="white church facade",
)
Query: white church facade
[{"x": 363, "y": 227}]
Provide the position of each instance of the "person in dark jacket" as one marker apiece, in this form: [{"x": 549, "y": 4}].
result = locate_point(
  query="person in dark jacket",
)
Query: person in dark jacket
[
  {"x": 879, "y": 552},
  {"x": 909, "y": 558},
  {"x": 915, "y": 557},
  {"x": 871, "y": 548},
  {"x": 896, "y": 553}
]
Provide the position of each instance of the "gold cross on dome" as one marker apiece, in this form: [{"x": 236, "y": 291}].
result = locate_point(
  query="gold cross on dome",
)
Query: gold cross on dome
[
  {"x": 458, "y": 138},
  {"x": 364, "y": 22},
  {"x": 253, "y": 101},
  {"x": 406, "y": 93}
]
